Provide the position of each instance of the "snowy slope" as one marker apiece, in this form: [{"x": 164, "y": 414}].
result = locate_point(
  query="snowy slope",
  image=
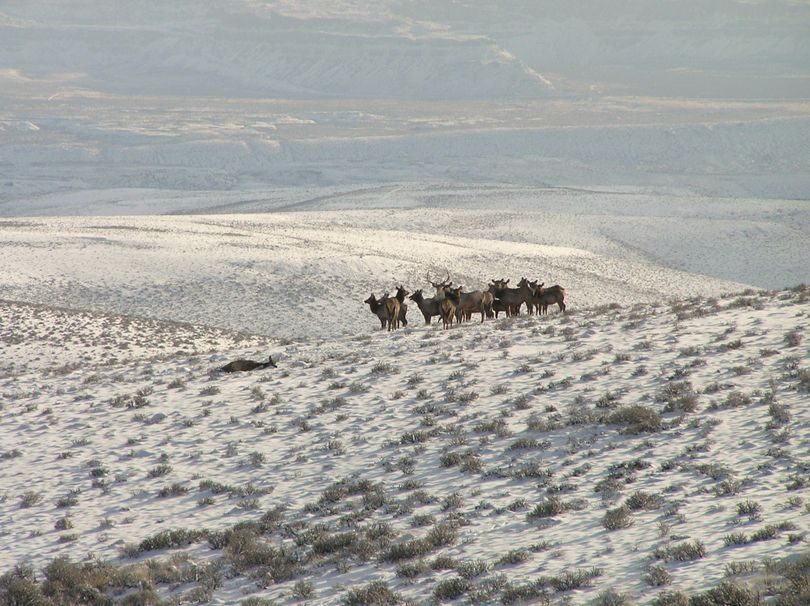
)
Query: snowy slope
[
  {"x": 635, "y": 449},
  {"x": 306, "y": 273}
]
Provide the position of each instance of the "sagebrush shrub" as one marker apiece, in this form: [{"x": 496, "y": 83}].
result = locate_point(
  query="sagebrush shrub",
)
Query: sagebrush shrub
[
  {"x": 671, "y": 598},
  {"x": 682, "y": 552},
  {"x": 375, "y": 593},
  {"x": 574, "y": 579},
  {"x": 657, "y": 576},
  {"x": 451, "y": 589},
  {"x": 616, "y": 519},
  {"x": 636, "y": 419},
  {"x": 611, "y": 597},
  {"x": 553, "y": 506},
  {"x": 641, "y": 500},
  {"x": 678, "y": 396},
  {"x": 727, "y": 593}
]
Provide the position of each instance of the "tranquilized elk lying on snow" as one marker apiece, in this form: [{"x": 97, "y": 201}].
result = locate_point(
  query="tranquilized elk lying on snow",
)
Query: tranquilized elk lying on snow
[{"x": 243, "y": 365}]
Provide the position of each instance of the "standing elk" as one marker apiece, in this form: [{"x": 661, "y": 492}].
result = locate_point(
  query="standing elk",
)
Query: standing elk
[
  {"x": 403, "y": 307},
  {"x": 390, "y": 311},
  {"x": 428, "y": 307},
  {"x": 441, "y": 287},
  {"x": 448, "y": 305},
  {"x": 511, "y": 299},
  {"x": 489, "y": 302},
  {"x": 549, "y": 296},
  {"x": 470, "y": 303},
  {"x": 379, "y": 308},
  {"x": 533, "y": 303}
]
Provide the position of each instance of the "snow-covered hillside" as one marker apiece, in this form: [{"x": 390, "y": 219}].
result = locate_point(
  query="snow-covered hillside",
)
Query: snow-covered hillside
[
  {"x": 304, "y": 270},
  {"x": 615, "y": 455},
  {"x": 189, "y": 182}
]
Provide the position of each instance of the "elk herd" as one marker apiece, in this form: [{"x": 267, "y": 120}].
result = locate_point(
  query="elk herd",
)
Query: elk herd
[{"x": 453, "y": 304}]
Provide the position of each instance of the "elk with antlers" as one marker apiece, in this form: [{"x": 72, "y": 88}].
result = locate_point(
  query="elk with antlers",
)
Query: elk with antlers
[{"x": 441, "y": 287}]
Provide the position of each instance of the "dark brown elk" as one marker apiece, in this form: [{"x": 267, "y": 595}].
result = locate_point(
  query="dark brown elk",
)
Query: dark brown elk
[
  {"x": 379, "y": 308},
  {"x": 511, "y": 299},
  {"x": 448, "y": 305},
  {"x": 497, "y": 305},
  {"x": 534, "y": 302},
  {"x": 428, "y": 307},
  {"x": 549, "y": 296},
  {"x": 245, "y": 365}
]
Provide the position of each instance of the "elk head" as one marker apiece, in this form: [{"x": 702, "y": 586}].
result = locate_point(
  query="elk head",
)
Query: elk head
[
  {"x": 440, "y": 285},
  {"x": 401, "y": 293}
]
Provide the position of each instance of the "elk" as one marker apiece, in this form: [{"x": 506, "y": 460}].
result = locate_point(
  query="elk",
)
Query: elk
[
  {"x": 549, "y": 296},
  {"x": 428, "y": 307},
  {"x": 392, "y": 309},
  {"x": 244, "y": 365},
  {"x": 379, "y": 308},
  {"x": 441, "y": 287},
  {"x": 510, "y": 299},
  {"x": 403, "y": 307},
  {"x": 533, "y": 303},
  {"x": 448, "y": 305},
  {"x": 489, "y": 300},
  {"x": 470, "y": 303},
  {"x": 498, "y": 305},
  {"x": 389, "y": 311}
]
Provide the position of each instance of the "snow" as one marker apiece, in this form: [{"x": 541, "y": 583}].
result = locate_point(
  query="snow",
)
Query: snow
[
  {"x": 183, "y": 184},
  {"x": 543, "y": 380}
]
